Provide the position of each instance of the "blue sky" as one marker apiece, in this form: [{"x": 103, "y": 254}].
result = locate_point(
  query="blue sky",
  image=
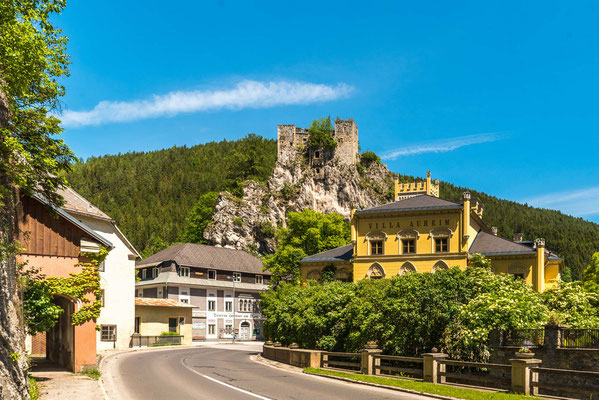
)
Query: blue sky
[{"x": 497, "y": 97}]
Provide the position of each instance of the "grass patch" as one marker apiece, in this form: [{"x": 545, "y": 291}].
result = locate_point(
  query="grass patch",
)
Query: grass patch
[
  {"x": 423, "y": 387},
  {"x": 92, "y": 373},
  {"x": 33, "y": 388}
]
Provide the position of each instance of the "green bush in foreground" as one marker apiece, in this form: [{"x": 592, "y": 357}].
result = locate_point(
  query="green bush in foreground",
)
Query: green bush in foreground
[{"x": 452, "y": 310}]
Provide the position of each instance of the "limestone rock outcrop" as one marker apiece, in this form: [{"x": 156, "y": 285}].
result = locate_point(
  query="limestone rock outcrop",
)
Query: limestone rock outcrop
[{"x": 249, "y": 223}]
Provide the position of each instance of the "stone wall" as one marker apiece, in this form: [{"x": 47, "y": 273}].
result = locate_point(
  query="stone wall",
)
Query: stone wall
[
  {"x": 296, "y": 357},
  {"x": 552, "y": 356}
]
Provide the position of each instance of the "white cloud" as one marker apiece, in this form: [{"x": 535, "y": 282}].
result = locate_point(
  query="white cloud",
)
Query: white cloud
[
  {"x": 246, "y": 94},
  {"x": 440, "y": 146},
  {"x": 580, "y": 202}
]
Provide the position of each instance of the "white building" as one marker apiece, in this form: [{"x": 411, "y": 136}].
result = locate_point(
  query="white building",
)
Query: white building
[{"x": 117, "y": 274}]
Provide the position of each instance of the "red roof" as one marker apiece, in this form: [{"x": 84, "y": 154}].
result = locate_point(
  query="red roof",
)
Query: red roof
[{"x": 148, "y": 301}]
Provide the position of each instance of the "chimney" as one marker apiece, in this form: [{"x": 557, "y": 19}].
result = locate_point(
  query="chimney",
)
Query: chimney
[
  {"x": 539, "y": 272},
  {"x": 494, "y": 230},
  {"x": 518, "y": 237},
  {"x": 428, "y": 182},
  {"x": 466, "y": 215}
]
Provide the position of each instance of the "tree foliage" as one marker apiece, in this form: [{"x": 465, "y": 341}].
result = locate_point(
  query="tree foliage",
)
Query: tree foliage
[
  {"x": 307, "y": 233},
  {"x": 32, "y": 58},
  {"x": 591, "y": 274},
  {"x": 452, "y": 310},
  {"x": 320, "y": 134},
  {"x": 150, "y": 195},
  {"x": 199, "y": 218}
]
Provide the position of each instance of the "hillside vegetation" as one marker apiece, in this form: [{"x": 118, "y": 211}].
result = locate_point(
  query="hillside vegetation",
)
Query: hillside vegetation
[{"x": 150, "y": 195}]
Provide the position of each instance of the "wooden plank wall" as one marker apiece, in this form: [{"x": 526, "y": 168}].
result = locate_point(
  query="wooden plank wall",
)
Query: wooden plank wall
[{"x": 48, "y": 235}]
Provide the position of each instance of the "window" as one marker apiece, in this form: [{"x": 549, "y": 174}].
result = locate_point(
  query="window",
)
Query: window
[
  {"x": 259, "y": 279},
  {"x": 408, "y": 246},
  {"x": 441, "y": 245},
  {"x": 228, "y": 305},
  {"x": 181, "y": 321},
  {"x": 184, "y": 271},
  {"x": 137, "y": 326},
  {"x": 108, "y": 333},
  {"x": 154, "y": 272},
  {"x": 144, "y": 273},
  {"x": 376, "y": 247},
  {"x": 316, "y": 154},
  {"x": 186, "y": 301},
  {"x": 101, "y": 266},
  {"x": 172, "y": 324},
  {"x": 212, "y": 274},
  {"x": 211, "y": 305},
  {"x": 211, "y": 329},
  {"x": 229, "y": 329},
  {"x": 236, "y": 277},
  {"x": 102, "y": 299}
]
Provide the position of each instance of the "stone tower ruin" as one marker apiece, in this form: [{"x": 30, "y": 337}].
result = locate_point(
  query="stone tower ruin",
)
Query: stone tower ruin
[{"x": 292, "y": 141}]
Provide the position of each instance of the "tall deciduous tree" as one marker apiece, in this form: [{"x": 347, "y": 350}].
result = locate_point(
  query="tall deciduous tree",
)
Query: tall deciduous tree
[
  {"x": 32, "y": 58},
  {"x": 307, "y": 233}
]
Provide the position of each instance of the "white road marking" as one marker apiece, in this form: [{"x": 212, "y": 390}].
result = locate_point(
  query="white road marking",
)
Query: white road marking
[{"x": 223, "y": 383}]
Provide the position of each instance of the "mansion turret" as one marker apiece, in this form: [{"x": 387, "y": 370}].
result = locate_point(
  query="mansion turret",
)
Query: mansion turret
[{"x": 420, "y": 232}]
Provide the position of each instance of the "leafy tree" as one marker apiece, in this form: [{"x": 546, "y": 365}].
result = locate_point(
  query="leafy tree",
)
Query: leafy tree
[
  {"x": 40, "y": 312},
  {"x": 321, "y": 134},
  {"x": 369, "y": 157},
  {"x": 591, "y": 274},
  {"x": 33, "y": 58},
  {"x": 307, "y": 233},
  {"x": 574, "y": 306},
  {"x": 199, "y": 218}
]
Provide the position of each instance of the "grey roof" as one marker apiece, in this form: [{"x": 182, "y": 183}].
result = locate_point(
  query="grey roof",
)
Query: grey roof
[
  {"x": 75, "y": 221},
  {"x": 200, "y": 255},
  {"x": 420, "y": 202},
  {"x": 489, "y": 244},
  {"x": 172, "y": 278},
  {"x": 343, "y": 253},
  {"x": 75, "y": 203}
]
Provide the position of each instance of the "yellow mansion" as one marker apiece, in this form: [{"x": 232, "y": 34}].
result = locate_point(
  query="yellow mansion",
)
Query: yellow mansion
[{"x": 419, "y": 232}]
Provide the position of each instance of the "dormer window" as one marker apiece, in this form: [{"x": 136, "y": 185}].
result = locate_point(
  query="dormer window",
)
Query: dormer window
[
  {"x": 154, "y": 272},
  {"x": 259, "y": 279},
  {"x": 144, "y": 273},
  {"x": 212, "y": 274},
  {"x": 184, "y": 271},
  {"x": 236, "y": 277}
]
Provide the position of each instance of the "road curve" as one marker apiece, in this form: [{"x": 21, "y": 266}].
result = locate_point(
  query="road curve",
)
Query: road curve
[{"x": 219, "y": 372}]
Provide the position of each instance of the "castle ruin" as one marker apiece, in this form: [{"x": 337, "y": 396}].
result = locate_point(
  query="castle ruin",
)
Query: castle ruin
[{"x": 293, "y": 141}]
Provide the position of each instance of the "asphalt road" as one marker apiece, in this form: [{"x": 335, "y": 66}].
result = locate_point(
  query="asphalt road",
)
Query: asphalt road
[{"x": 221, "y": 372}]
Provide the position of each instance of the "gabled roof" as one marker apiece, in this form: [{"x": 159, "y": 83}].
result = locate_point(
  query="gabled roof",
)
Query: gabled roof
[
  {"x": 74, "y": 221},
  {"x": 200, "y": 255},
  {"x": 77, "y": 204},
  {"x": 154, "y": 302},
  {"x": 420, "y": 202},
  {"x": 343, "y": 253},
  {"x": 489, "y": 244}
]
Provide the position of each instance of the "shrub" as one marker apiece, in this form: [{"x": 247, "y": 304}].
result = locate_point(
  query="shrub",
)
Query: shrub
[
  {"x": 238, "y": 222},
  {"x": 169, "y": 333},
  {"x": 369, "y": 157}
]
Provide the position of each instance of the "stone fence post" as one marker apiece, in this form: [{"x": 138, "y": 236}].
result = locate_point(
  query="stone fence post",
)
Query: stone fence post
[
  {"x": 553, "y": 336},
  {"x": 522, "y": 375},
  {"x": 367, "y": 362},
  {"x": 431, "y": 367}
]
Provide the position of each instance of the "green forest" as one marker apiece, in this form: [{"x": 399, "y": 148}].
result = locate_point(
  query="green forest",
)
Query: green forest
[{"x": 150, "y": 195}]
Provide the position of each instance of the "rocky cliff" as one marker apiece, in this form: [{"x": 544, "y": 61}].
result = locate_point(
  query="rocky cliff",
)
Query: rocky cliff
[{"x": 248, "y": 223}]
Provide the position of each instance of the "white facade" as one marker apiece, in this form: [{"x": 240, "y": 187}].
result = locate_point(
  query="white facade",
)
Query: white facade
[{"x": 117, "y": 280}]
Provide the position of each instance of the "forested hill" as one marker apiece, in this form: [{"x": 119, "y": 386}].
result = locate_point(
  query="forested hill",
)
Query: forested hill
[{"x": 150, "y": 195}]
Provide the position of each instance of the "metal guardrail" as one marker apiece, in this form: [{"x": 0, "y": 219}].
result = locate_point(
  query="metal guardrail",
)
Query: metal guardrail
[
  {"x": 398, "y": 365},
  {"x": 523, "y": 337},
  {"x": 591, "y": 390},
  {"x": 151, "y": 341},
  {"x": 331, "y": 360},
  {"x": 480, "y": 373},
  {"x": 580, "y": 339}
]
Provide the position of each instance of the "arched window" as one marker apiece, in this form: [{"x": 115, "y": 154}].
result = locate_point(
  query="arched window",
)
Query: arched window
[
  {"x": 407, "y": 241},
  {"x": 314, "y": 275},
  {"x": 376, "y": 271},
  {"x": 439, "y": 265},
  {"x": 376, "y": 242},
  {"x": 406, "y": 268},
  {"x": 440, "y": 239}
]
